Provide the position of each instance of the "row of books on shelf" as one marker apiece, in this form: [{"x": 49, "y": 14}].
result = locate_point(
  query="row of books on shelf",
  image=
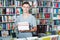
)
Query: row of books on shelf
[
  {"x": 56, "y": 11},
  {"x": 7, "y": 11},
  {"x": 44, "y": 10},
  {"x": 17, "y": 2},
  {"x": 57, "y": 28},
  {"x": 7, "y": 26},
  {"x": 6, "y": 3},
  {"x": 56, "y": 16},
  {"x": 44, "y": 22},
  {"x": 10, "y": 11},
  {"x": 56, "y": 22},
  {"x": 6, "y": 19},
  {"x": 57, "y": 5},
  {"x": 57, "y": 0},
  {"x": 44, "y": 28},
  {"x": 35, "y": 3},
  {"x": 44, "y": 3},
  {"x": 44, "y": 15}
]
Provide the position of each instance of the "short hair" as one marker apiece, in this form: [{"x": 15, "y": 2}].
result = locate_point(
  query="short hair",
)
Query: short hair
[{"x": 25, "y": 3}]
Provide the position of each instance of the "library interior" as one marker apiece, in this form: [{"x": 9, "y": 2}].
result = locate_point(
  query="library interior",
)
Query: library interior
[{"x": 21, "y": 18}]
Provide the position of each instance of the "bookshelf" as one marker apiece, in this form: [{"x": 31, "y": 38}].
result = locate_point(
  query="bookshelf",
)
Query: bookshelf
[
  {"x": 44, "y": 16},
  {"x": 7, "y": 14},
  {"x": 56, "y": 15}
]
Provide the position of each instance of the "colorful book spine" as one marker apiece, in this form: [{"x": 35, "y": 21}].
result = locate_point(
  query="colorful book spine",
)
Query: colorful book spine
[
  {"x": 17, "y": 11},
  {"x": 4, "y": 26},
  {"x": 47, "y": 15},
  {"x": 0, "y": 26}
]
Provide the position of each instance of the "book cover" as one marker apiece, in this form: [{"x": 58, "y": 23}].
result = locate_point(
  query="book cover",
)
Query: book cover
[
  {"x": 12, "y": 2},
  {"x": 7, "y": 3},
  {"x": 59, "y": 5},
  {"x": 23, "y": 26},
  {"x": 8, "y": 26},
  {"x": 58, "y": 16},
  {"x": 54, "y": 10},
  {"x": 34, "y": 3},
  {"x": 17, "y": 11},
  {"x": 3, "y": 19},
  {"x": 1, "y": 3},
  {"x": 0, "y": 26},
  {"x": 0, "y": 11},
  {"x": 11, "y": 26},
  {"x": 44, "y": 3},
  {"x": 0, "y": 18},
  {"x": 7, "y": 11},
  {"x": 4, "y": 11},
  {"x": 42, "y": 28},
  {"x": 56, "y": 5},
  {"x": 47, "y": 15},
  {"x": 13, "y": 11},
  {"x": 21, "y": 10},
  {"x": 4, "y": 26}
]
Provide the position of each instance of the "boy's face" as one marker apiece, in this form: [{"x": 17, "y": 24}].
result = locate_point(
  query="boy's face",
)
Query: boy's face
[{"x": 25, "y": 8}]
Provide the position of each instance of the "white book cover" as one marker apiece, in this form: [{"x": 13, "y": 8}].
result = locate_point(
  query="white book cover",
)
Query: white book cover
[
  {"x": 23, "y": 26},
  {"x": 7, "y": 11},
  {"x": 54, "y": 10},
  {"x": 58, "y": 27}
]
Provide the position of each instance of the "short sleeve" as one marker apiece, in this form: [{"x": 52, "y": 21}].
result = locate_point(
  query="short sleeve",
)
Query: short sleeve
[{"x": 34, "y": 22}]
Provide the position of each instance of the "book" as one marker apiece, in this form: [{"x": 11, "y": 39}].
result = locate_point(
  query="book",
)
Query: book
[
  {"x": 47, "y": 15},
  {"x": 23, "y": 26},
  {"x": 54, "y": 10},
  {"x": 4, "y": 11},
  {"x": 56, "y": 5},
  {"x": 8, "y": 26},
  {"x": 56, "y": 22},
  {"x": 0, "y": 18},
  {"x": 42, "y": 28},
  {"x": 0, "y": 26},
  {"x": 44, "y": 3},
  {"x": 4, "y": 18},
  {"x": 34, "y": 3},
  {"x": 4, "y": 26},
  {"x": 8, "y": 11},
  {"x": 17, "y": 11},
  {"x": 1, "y": 3}
]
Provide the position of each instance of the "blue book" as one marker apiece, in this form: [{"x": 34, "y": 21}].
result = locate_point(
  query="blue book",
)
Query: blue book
[
  {"x": 4, "y": 18},
  {"x": 59, "y": 4},
  {"x": 56, "y": 11},
  {"x": 44, "y": 3},
  {"x": 13, "y": 11},
  {"x": 4, "y": 26},
  {"x": 21, "y": 11}
]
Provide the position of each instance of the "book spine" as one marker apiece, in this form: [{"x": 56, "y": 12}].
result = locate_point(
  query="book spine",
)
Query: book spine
[{"x": 4, "y": 26}]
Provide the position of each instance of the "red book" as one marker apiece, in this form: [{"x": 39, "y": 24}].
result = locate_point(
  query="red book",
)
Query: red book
[
  {"x": 47, "y": 15},
  {"x": 56, "y": 5}
]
